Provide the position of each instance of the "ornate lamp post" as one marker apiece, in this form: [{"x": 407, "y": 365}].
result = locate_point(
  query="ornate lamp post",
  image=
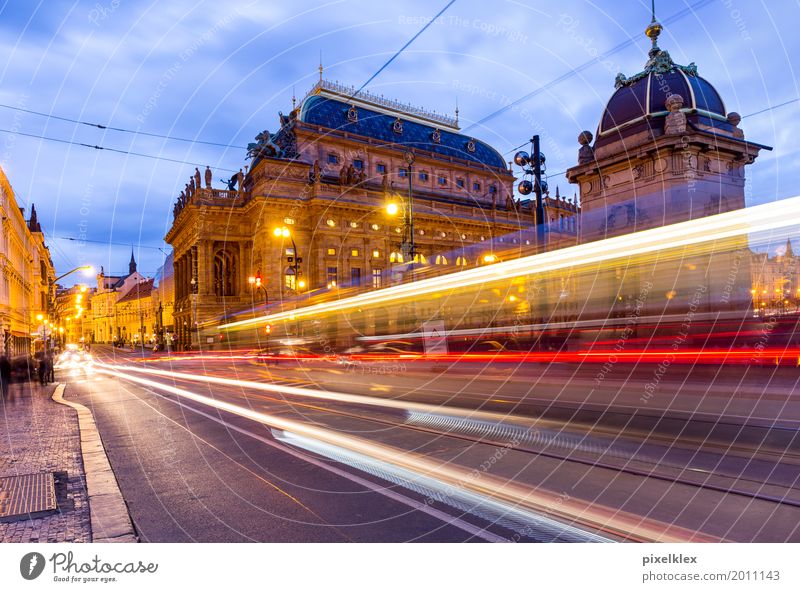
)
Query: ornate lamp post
[{"x": 533, "y": 165}]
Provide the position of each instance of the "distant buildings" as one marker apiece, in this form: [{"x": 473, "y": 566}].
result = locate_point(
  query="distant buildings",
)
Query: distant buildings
[{"x": 27, "y": 277}]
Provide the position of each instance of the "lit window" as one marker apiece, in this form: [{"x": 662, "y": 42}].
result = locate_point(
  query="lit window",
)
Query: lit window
[
  {"x": 420, "y": 258},
  {"x": 395, "y": 257},
  {"x": 423, "y": 176},
  {"x": 289, "y": 278},
  {"x": 403, "y": 173},
  {"x": 353, "y": 224},
  {"x": 333, "y": 159},
  {"x": 288, "y": 220},
  {"x": 330, "y": 222},
  {"x": 476, "y": 187},
  {"x": 460, "y": 183},
  {"x": 331, "y": 251},
  {"x": 354, "y": 252},
  {"x": 376, "y": 253},
  {"x": 381, "y": 168},
  {"x": 358, "y": 164},
  {"x": 375, "y": 227},
  {"x": 377, "y": 278},
  {"x": 441, "y": 260},
  {"x": 462, "y": 261}
]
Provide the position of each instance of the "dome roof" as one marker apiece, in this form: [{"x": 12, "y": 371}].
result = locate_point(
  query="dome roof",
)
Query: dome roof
[
  {"x": 645, "y": 97},
  {"x": 642, "y": 97},
  {"x": 395, "y": 129}
]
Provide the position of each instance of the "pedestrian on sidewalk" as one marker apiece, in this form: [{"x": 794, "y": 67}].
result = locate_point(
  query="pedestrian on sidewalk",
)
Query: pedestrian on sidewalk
[
  {"x": 5, "y": 374},
  {"x": 44, "y": 372}
]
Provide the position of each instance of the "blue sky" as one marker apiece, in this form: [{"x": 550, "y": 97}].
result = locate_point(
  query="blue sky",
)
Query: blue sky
[{"x": 220, "y": 72}]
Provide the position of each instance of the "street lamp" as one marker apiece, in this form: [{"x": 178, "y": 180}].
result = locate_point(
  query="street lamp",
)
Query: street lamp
[
  {"x": 534, "y": 165},
  {"x": 283, "y": 232},
  {"x": 87, "y": 269},
  {"x": 255, "y": 283}
]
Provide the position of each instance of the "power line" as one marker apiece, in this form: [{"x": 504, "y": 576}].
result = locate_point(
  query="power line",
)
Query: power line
[
  {"x": 789, "y": 102},
  {"x": 106, "y": 148},
  {"x": 402, "y": 49},
  {"x": 86, "y": 240},
  {"x": 569, "y": 74},
  {"x": 119, "y": 129}
]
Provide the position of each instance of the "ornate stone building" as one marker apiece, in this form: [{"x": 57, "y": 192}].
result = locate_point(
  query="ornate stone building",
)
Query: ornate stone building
[
  {"x": 28, "y": 275},
  {"x": 323, "y": 181},
  {"x": 666, "y": 151},
  {"x": 104, "y": 319}
]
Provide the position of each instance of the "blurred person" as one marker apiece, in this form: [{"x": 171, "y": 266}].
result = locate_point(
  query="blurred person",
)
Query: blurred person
[{"x": 5, "y": 374}]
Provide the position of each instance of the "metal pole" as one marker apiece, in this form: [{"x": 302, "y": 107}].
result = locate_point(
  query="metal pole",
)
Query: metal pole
[
  {"x": 410, "y": 209},
  {"x": 537, "y": 187}
]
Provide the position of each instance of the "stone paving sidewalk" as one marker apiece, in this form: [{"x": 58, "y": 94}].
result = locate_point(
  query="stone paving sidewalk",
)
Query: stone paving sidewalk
[{"x": 39, "y": 435}]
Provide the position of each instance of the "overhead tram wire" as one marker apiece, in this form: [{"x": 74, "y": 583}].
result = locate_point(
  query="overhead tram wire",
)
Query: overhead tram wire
[
  {"x": 402, "y": 49},
  {"x": 119, "y": 129},
  {"x": 570, "y": 73},
  {"x": 117, "y": 150},
  {"x": 102, "y": 242}
]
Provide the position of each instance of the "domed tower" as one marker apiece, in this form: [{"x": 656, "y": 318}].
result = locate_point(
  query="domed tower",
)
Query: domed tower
[{"x": 666, "y": 151}]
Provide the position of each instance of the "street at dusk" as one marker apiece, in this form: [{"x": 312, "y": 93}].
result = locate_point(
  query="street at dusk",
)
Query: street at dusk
[{"x": 468, "y": 272}]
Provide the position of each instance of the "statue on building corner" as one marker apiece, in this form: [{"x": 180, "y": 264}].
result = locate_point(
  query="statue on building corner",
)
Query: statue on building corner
[
  {"x": 585, "y": 153},
  {"x": 734, "y": 119},
  {"x": 675, "y": 123},
  {"x": 351, "y": 175},
  {"x": 343, "y": 175},
  {"x": 239, "y": 181},
  {"x": 197, "y": 182},
  {"x": 209, "y": 177},
  {"x": 191, "y": 186},
  {"x": 316, "y": 174}
]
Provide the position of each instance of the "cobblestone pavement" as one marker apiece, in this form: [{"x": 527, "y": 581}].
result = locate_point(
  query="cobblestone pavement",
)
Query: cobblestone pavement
[{"x": 39, "y": 435}]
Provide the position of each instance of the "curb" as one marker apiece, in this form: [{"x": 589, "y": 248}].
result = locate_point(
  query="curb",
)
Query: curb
[{"x": 111, "y": 522}]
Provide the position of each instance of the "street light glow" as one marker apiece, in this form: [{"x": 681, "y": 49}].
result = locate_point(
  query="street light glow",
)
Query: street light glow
[{"x": 392, "y": 208}]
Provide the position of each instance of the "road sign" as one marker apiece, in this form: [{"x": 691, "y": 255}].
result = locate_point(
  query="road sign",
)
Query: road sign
[{"x": 434, "y": 337}]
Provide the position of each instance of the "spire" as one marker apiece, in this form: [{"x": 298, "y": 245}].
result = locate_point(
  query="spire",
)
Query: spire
[
  {"x": 294, "y": 99},
  {"x": 320, "y": 66},
  {"x": 456, "y": 111},
  {"x": 132, "y": 264},
  {"x": 654, "y": 28},
  {"x": 789, "y": 252}
]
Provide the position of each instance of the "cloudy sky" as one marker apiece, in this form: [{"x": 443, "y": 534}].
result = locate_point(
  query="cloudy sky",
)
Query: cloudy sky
[{"x": 219, "y": 72}]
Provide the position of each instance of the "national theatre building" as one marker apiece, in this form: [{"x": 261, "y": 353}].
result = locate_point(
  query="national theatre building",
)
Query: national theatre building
[{"x": 323, "y": 200}]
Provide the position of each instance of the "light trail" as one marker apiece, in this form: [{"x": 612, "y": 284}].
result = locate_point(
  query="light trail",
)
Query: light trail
[
  {"x": 711, "y": 229},
  {"x": 510, "y": 497}
]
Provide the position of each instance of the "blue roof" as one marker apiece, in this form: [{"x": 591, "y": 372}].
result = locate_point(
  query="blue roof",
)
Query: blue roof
[{"x": 330, "y": 113}]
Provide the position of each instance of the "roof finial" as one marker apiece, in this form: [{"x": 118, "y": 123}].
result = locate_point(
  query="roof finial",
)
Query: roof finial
[
  {"x": 320, "y": 66},
  {"x": 294, "y": 98},
  {"x": 654, "y": 28},
  {"x": 456, "y": 111}
]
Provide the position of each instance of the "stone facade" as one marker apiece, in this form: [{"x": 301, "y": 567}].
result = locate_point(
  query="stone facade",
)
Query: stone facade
[
  {"x": 28, "y": 274},
  {"x": 327, "y": 177}
]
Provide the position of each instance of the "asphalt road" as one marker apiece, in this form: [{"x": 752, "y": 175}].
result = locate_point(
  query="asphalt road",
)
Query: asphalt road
[{"x": 192, "y": 471}]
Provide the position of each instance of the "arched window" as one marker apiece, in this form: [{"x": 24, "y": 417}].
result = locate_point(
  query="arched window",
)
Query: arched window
[
  {"x": 441, "y": 260},
  {"x": 461, "y": 261},
  {"x": 420, "y": 258},
  {"x": 395, "y": 257},
  {"x": 224, "y": 274}
]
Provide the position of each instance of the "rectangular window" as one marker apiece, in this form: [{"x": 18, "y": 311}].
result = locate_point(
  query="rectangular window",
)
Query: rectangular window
[
  {"x": 423, "y": 176},
  {"x": 332, "y": 274},
  {"x": 333, "y": 159},
  {"x": 492, "y": 189},
  {"x": 289, "y": 280},
  {"x": 358, "y": 164},
  {"x": 355, "y": 276},
  {"x": 381, "y": 168},
  {"x": 476, "y": 187},
  {"x": 377, "y": 278},
  {"x": 290, "y": 252},
  {"x": 331, "y": 251},
  {"x": 460, "y": 183},
  {"x": 354, "y": 253},
  {"x": 442, "y": 180},
  {"x": 403, "y": 173}
]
